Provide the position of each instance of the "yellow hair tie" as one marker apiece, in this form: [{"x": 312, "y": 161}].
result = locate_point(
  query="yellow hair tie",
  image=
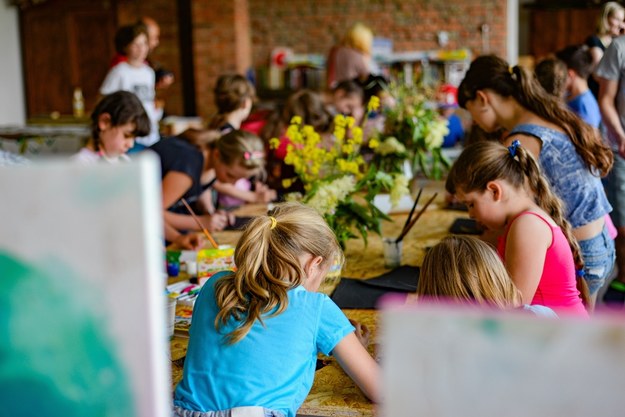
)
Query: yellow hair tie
[
  {"x": 511, "y": 70},
  {"x": 274, "y": 222}
]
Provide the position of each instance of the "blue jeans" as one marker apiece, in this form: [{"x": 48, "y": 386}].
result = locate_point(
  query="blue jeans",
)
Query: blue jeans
[{"x": 599, "y": 255}]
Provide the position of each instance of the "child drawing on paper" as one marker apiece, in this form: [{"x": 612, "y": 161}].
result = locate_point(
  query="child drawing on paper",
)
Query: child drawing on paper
[{"x": 256, "y": 332}]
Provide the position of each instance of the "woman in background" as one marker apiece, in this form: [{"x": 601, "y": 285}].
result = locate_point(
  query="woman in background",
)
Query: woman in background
[
  {"x": 609, "y": 25},
  {"x": 352, "y": 58}
]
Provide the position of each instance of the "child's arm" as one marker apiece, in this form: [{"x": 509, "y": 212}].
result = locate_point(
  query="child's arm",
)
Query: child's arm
[
  {"x": 261, "y": 195},
  {"x": 213, "y": 222},
  {"x": 528, "y": 239},
  {"x": 359, "y": 365},
  {"x": 174, "y": 186}
]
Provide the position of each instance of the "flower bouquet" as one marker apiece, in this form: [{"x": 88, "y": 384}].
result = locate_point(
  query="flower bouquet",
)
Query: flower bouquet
[
  {"x": 337, "y": 181},
  {"x": 414, "y": 123}
]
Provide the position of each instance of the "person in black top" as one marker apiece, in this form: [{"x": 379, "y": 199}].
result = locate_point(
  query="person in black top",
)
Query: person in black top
[{"x": 190, "y": 164}]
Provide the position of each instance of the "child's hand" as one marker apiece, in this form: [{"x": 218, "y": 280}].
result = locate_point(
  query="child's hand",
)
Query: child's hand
[
  {"x": 362, "y": 332},
  {"x": 216, "y": 221},
  {"x": 191, "y": 241},
  {"x": 264, "y": 194}
]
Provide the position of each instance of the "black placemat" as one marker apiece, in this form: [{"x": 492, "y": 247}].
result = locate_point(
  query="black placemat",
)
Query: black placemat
[
  {"x": 462, "y": 226},
  {"x": 364, "y": 294}
]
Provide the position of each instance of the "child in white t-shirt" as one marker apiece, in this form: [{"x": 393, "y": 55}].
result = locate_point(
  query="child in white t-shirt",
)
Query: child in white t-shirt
[{"x": 136, "y": 76}]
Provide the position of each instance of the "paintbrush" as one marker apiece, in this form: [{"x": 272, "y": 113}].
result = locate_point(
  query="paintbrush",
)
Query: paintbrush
[
  {"x": 414, "y": 206},
  {"x": 199, "y": 223},
  {"x": 413, "y": 221}
]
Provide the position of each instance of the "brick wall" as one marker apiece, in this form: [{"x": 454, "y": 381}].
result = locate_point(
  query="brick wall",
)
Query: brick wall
[
  {"x": 222, "y": 34},
  {"x": 313, "y": 26}
]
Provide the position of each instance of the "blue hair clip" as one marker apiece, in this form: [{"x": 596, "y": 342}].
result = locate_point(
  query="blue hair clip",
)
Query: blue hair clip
[
  {"x": 580, "y": 273},
  {"x": 512, "y": 148}
]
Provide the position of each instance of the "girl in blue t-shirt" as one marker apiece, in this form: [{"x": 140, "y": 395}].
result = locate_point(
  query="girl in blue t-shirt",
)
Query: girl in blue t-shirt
[{"x": 256, "y": 332}]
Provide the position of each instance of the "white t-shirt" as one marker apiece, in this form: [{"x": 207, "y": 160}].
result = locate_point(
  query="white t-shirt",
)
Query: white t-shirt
[{"x": 140, "y": 81}]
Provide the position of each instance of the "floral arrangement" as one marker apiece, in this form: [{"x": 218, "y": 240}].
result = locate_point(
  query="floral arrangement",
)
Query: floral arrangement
[
  {"x": 337, "y": 181},
  {"x": 414, "y": 123}
]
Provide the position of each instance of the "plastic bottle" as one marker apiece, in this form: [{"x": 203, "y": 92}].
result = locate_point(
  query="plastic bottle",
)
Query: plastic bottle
[{"x": 78, "y": 103}]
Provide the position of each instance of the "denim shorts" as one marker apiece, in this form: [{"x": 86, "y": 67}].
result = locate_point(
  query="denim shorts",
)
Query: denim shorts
[{"x": 599, "y": 255}]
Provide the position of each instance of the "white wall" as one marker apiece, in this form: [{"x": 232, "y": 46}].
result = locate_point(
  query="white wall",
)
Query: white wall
[{"x": 12, "y": 107}]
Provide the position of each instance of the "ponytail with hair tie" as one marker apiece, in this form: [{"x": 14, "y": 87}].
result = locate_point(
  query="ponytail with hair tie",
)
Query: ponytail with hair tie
[{"x": 513, "y": 147}]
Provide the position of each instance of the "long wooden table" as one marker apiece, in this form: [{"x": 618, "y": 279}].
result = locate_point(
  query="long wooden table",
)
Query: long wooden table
[{"x": 333, "y": 392}]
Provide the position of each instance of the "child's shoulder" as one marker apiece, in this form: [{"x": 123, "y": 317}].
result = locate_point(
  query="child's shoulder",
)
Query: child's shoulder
[{"x": 531, "y": 226}]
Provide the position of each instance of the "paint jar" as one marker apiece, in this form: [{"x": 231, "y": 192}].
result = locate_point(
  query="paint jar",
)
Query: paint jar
[
  {"x": 392, "y": 252},
  {"x": 192, "y": 269},
  {"x": 173, "y": 263}
]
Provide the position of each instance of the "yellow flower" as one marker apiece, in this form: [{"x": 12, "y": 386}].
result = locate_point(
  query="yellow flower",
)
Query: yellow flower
[
  {"x": 374, "y": 143},
  {"x": 374, "y": 104},
  {"x": 287, "y": 182},
  {"x": 350, "y": 167},
  {"x": 357, "y": 135},
  {"x": 347, "y": 148},
  {"x": 296, "y": 120},
  {"x": 350, "y": 121},
  {"x": 339, "y": 133},
  {"x": 274, "y": 143},
  {"x": 339, "y": 120}
]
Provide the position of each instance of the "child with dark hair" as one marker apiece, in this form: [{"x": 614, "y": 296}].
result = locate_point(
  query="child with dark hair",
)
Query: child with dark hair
[
  {"x": 348, "y": 99},
  {"x": 115, "y": 122},
  {"x": 580, "y": 99},
  {"x": 135, "y": 76},
  {"x": 551, "y": 73}
]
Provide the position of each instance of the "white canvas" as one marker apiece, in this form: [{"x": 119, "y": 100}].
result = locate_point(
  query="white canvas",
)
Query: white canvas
[
  {"x": 443, "y": 362},
  {"x": 90, "y": 241}
]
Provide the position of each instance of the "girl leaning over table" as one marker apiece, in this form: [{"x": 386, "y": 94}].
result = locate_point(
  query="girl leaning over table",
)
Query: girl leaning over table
[
  {"x": 256, "y": 332},
  {"x": 505, "y": 191},
  {"x": 190, "y": 165}
]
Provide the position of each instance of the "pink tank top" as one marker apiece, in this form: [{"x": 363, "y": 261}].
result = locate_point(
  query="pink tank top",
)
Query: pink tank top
[{"x": 557, "y": 287}]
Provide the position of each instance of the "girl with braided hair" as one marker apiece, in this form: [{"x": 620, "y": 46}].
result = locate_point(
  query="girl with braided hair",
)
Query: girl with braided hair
[
  {"x": 504, "y": 190},
  {"x": 571, "y": 154}
]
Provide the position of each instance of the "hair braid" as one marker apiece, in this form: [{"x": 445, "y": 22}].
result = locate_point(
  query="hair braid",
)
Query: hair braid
[{"x": 552, "y": 205}]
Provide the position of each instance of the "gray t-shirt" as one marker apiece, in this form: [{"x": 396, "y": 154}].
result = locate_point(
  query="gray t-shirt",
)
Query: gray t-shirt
[{"x": 612, "y": 67}]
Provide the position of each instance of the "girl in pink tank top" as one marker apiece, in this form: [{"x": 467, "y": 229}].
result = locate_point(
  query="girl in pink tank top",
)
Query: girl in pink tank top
[{"x": 505, "y": 191}]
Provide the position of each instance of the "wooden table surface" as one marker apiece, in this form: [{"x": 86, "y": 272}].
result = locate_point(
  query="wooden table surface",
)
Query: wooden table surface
[{"x": 333, "y": 392}]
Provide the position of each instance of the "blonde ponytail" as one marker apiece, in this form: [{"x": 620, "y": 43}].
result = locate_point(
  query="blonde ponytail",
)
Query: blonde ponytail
[{"x": 268, "y": 265}]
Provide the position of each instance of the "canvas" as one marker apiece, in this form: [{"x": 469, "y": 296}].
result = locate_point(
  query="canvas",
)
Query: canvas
[
  {"x": 82, "y": 304},
  {"x": 444, "y": 362}
]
